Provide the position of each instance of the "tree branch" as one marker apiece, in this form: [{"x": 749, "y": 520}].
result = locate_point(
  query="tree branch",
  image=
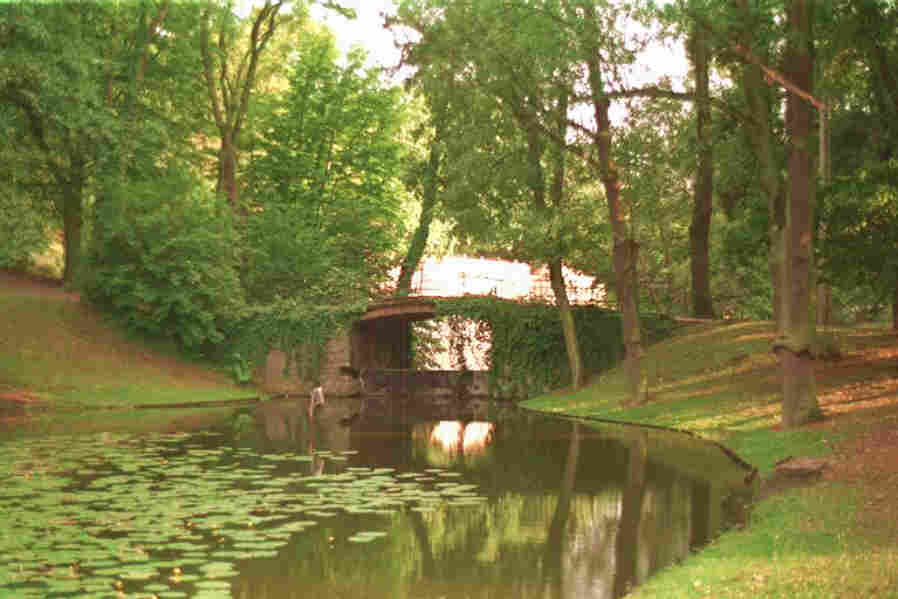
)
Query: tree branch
[
  {"x": 652, "y": 91},
  {"x": 774, "y": 75},
  {"x": 267, "y": 15},
  {"x": 209, "y": 70}
]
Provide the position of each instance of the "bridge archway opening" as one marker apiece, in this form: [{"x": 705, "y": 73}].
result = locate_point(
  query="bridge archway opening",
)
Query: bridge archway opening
[{"x": 380, "y": 354}]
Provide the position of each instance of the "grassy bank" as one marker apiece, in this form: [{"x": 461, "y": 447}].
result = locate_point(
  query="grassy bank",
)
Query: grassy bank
[
  {"x": 57, "y": 351},
  {"x": 837, "y": 538}
]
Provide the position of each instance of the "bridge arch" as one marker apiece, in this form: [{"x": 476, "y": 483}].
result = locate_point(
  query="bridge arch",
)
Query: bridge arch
[
  {"x": 377, "y": 343},
  {"x": 380, "y": 338}
]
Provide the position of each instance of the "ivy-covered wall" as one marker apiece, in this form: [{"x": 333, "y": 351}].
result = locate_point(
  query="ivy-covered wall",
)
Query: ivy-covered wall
[
  {"x": 528, "y": 354},
  {"x": 293, "y": 336}
]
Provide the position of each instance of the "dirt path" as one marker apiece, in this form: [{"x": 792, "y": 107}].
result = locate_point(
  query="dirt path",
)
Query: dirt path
[{"x": 15, "y": 283}]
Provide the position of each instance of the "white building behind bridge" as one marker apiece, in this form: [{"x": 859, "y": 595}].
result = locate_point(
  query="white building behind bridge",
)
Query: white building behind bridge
[{"x": 460, "y": 275}]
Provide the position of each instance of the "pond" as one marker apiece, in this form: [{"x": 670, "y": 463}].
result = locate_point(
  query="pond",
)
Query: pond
[{"x": 381, "y": 502}]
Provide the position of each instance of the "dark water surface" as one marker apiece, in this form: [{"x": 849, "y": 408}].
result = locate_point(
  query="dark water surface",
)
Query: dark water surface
[{"x": 259, "y": 503}]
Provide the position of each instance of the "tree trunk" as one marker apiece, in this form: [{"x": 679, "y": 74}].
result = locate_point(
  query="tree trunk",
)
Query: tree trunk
[
  {"x": 793, "y": 346},
  {"x": 556, "y": 271},
  {"x": 537, "y": 183},
  {"x": 72, "y": 219},
  {"x": 625, "y": 257},
  {"x": 895, "y": 308},
  {"x": 625, "y": 248},
  {"x": 568, "y": 327},
  {"x": 700, "y": 229},
  {"x": 422, "y": 232},
  {"x": 227, "y": 171}
]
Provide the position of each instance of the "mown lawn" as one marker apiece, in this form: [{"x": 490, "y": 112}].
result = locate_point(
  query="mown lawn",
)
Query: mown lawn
[{"x": 56, "y": 350}]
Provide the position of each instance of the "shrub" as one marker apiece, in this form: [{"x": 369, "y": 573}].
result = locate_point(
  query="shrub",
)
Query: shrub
[
  {"x": 164, "y": 261},
  {"x": 23, "y": 229}
]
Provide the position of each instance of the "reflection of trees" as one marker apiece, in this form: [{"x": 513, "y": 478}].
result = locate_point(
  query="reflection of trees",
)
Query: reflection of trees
[
  {"x": 422, "y": 535},
  {"x": 627, "y": 541},
  {"x": 614, "y": 517},
  {"x": 555, "y": 538}
]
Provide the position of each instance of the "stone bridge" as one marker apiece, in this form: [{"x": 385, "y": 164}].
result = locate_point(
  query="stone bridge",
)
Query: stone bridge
[{"x": 373, "y": 357}]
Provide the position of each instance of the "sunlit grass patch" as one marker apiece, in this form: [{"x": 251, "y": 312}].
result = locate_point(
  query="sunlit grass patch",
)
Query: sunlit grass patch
[
  {"x": 796, "y": 546},
  {"x": 65, "y": 353}
]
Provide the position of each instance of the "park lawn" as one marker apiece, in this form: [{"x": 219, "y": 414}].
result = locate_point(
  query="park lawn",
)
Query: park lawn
[
  {"x": 56, "y": 352},
  {"x": 837, "y": 538}
]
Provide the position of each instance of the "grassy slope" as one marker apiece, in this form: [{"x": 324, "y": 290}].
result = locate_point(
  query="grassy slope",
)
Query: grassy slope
[
  {"x": 838, "y": 538},
  {"x": 56, "y": 349}
]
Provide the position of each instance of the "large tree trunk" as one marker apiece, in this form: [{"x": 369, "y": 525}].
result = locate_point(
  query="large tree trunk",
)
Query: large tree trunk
[
  {"x": 700, "y": 228},
  {"x": 72, "y": 219},
  {"x": 568, "y": 326},
  {"x": 793, "y": 346},
  {"x": 625, "y": 258},
  {"x": 625, "y": 251}
]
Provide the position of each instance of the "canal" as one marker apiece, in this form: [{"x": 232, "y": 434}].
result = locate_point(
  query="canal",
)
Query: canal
[{"x": 365, "y": 500}]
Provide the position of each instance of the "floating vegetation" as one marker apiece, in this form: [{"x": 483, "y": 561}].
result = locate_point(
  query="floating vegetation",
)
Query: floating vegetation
[
  {"x": 366, "y": 536},
  {"x": 174, "y": 515}
]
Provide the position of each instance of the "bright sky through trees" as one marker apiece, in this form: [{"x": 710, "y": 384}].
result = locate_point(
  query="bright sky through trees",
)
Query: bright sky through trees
[{"x": 366, "y": 30}]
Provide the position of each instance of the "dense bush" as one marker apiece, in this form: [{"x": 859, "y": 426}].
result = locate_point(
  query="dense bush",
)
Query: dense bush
[
  {"x": 22, "y": 229},
  {"x": 164, "y": 261}
]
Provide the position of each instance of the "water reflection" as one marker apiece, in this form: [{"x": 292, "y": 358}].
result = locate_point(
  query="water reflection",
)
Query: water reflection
[
  {"x": 458, "y": 437},
  {"x": 567, "y": 514},
  {"x": 386, "y": 504}
]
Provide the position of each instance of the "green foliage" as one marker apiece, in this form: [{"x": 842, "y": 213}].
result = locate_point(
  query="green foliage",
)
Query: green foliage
[
  {"x": 528, "y": 354},
  {"x": 860, "y": 216},
  {"x": 22, "y": 229},
  {"x": 325, "y": 215},
  {"x": 165, "y": 264},
  {"x": 241, "y": 369}
]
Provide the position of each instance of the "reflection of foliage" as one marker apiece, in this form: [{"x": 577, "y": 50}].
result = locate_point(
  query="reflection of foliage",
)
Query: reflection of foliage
[{"x": 528, "y": 353}]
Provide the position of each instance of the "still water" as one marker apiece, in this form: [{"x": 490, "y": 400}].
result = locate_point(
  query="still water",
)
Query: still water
[{"x": 363, "y": 501}]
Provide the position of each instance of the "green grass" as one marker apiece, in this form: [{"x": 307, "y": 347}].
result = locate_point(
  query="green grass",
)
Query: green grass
[
  {"x": 66, "y": 354},
  {"x": 799, "y": 545},
  {"x": 721, "y": 382}
]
